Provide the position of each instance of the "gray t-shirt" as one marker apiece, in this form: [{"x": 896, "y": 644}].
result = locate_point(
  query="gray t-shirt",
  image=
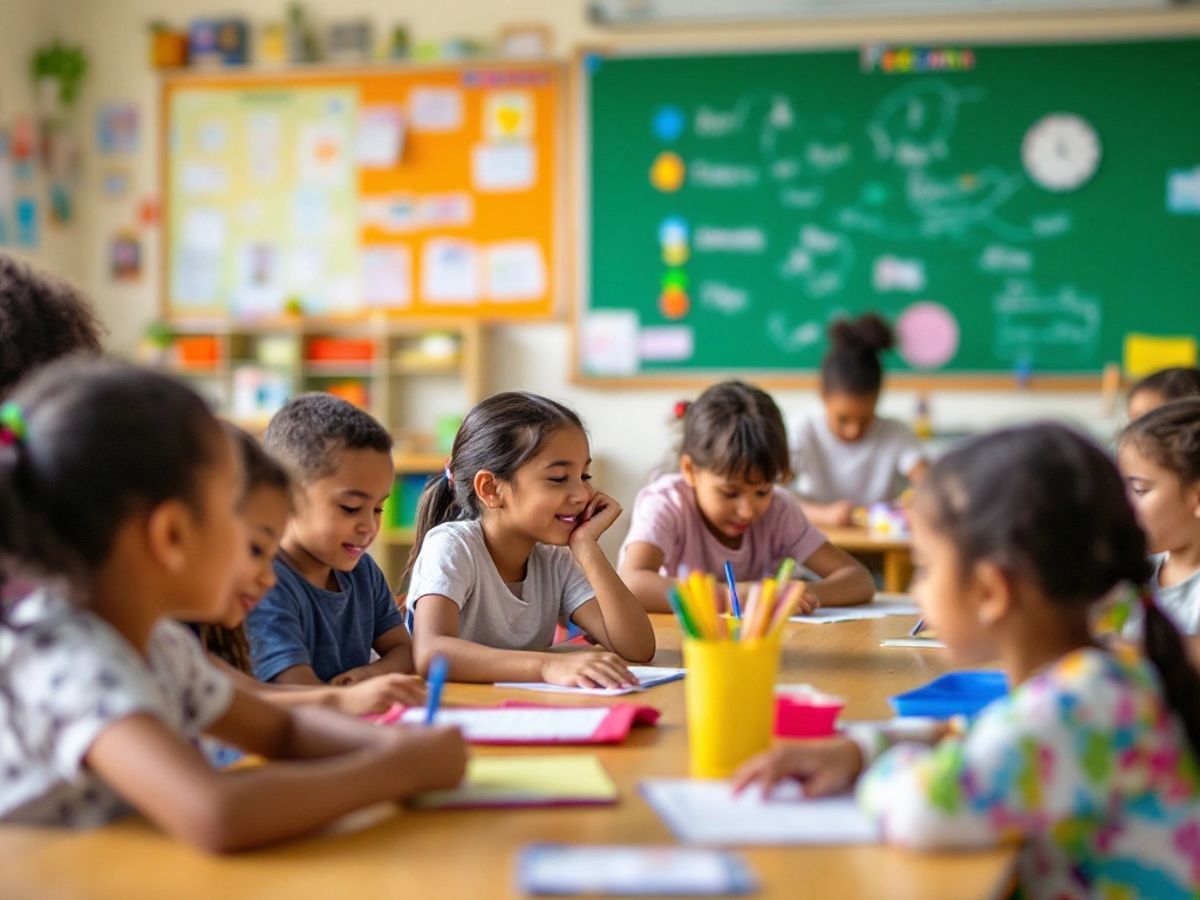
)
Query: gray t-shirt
[
  {"x": 68, "y": 676},
  {"x": 1180, "y": 601},
  {"x": 864, "y": 472},
  {"x": 455, "y": 563}
]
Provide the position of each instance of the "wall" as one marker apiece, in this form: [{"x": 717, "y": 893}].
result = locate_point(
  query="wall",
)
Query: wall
[
  {"x": 25, "y": 25},
  {"x": 629, "y": 430}
]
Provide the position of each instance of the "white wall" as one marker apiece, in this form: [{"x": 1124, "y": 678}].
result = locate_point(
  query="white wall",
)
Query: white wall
[{"x": 629, "y": 429}]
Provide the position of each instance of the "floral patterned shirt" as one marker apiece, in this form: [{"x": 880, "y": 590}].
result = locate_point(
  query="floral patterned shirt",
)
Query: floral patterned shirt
[{"x": 1084, "y": 761}]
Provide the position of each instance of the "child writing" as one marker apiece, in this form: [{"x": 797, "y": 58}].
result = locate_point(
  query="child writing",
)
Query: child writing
[
  {"x": 506, "y": 547},
  {"x": 331, "y": 605},
  {"x": 118, "y": 489},
  {"x": 846, "y": 456},
  {"x": 1159, "y": 457},
  {"x": 725, "y": 503},
  {"x": 1162, "y": 387},
  {"x": 264, "y": 508},
  {"x": 1092, "y": 758}
]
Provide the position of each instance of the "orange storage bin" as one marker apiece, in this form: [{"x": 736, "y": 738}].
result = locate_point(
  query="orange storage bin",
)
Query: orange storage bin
[
  {"x": 340, "y": 350},
  {"x": 198, "y": 351}
]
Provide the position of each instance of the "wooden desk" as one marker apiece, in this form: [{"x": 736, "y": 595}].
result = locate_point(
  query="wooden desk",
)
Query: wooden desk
[
  {"x": 472, "y": 854},
  {"x": 896, "y": 553}
]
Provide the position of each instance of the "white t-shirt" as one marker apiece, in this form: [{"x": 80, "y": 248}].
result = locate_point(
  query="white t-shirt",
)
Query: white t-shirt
[
  {"x": 1181, "y": 603},
  {"x": 455, "y": 563},
  {"x": 68, "y": 675},
  {"x": 864, "y": 472}
]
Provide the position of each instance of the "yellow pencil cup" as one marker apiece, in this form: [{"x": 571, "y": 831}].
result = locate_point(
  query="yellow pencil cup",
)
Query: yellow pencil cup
[{"x": 730, "y": 691}]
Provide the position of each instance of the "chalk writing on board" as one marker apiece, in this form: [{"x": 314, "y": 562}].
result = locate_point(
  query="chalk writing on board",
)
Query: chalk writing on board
[{"x": 1030, "y": 319}]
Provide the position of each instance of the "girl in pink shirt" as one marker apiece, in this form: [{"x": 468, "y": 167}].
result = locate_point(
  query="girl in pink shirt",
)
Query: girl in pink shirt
[{"x": 726, "y": 503}]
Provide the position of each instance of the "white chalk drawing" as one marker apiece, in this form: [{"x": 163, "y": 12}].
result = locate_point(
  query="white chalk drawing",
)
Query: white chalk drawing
[
  {"x": 703, "y": 173},
  {"x": 801, "y": 198},
  {"x": 819, "y": 260},
  {"x": 785, "y": 169},
  {"x": 1029, "y": 319},
  {"x": 792, "y": 337},
  {"x": 723, "y": 298},
  {"x": 1002, "y": 259},
  {"x": 743, "y": 239},
  {"x": 912, "y": 126},
  {"x": 894, "y": 273},
  {"x": 825, "y": 158}
]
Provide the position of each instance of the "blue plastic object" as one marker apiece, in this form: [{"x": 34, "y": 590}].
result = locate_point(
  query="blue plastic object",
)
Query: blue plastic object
[{"x": 953, "y": 694}]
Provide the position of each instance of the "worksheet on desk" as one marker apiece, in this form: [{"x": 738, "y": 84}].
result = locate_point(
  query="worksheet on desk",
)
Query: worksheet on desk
[
  {"x": 880, "y": 610},
  {"x": 647, "y": 676}
]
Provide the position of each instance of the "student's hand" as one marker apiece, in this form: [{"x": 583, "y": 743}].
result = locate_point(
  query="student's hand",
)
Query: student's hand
[
  {"x": 840, "y": 513},
  {"x": 435, "y": 756},
  {"x": 823, "y": 766},
  {"x": 809, "y": 602},
  {"x": 353, "y": 676},
  {"x": 376, "y": 695},
  {"x": 601, "y": 511},
  {"x": 588, "y": 669}
]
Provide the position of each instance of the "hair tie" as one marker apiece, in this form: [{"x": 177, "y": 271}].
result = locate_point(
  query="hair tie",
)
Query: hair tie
[
  {"x": 447, "y": 474},
  {"x": 681, "y": 408},
  {"x": 12, "y": 424}
]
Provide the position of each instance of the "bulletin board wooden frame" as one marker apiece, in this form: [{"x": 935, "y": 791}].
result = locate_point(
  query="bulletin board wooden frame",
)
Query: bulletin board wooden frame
[
  {"x": 500, "y": 220},
  {"x": 981, "y": 31}
]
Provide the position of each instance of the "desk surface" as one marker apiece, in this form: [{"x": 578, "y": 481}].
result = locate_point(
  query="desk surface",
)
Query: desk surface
[
  {"x": 472, "y": 853},
  {"x": 854, "y": 538}
]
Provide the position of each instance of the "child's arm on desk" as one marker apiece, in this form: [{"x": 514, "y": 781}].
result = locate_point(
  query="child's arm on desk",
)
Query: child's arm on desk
[
  {"x": 639, "y": 571},
  {"x": 844, "y": 580},
  {"x": 375, "y": 695},
  {"x": 347, "y": 765},
  {"x": 394, "y": 647},
  {"x": 828, "y": 515},
  {"x": 435, "y": 627}
]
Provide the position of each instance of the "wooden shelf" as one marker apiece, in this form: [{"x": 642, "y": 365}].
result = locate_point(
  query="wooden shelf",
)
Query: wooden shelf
[{"x": 418, "y": 463}]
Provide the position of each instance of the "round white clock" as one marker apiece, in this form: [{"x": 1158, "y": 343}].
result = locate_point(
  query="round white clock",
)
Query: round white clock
[{"x": 1061, "y": 151}]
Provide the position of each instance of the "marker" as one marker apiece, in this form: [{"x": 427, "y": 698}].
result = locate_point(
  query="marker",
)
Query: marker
[
  {"x": 438, "y": 670},
  {"x": 786, "y": 569},
  {"x": 675, "y": 599},
  {"x": 918, "y": 628},
  {"x": 734, "y": 606}
]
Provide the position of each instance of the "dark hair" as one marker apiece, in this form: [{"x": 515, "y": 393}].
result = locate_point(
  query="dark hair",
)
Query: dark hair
[
  {"x": 1046, "y": 503},
  {"x": 735, "y": 428},
  {"x": 1170, "y": 384},
  {"x": 101, "y": 441},
  {"x": 42, "y": 318},
  {"x": 1170, "y": 436},
  {"x": 851, "y": 366},
  {"x": 499, "y": 434},
  {"x": 259, "y": 470},
  {"x": 311, "y": 430}
]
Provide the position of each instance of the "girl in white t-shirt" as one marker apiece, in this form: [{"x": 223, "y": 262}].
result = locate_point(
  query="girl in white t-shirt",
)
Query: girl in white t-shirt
[
  {"x": 846, "y": 456},
  {"x": 118, "y": 491},
  {"x": 506, "y": 549}
]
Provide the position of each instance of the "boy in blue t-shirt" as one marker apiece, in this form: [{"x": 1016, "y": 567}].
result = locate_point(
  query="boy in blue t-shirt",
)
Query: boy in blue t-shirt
[{"x": 331, "y": 605}]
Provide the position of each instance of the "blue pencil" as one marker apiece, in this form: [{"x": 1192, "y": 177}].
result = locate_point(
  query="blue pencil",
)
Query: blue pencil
[
  {"x": 733, "y": 597},
  {"x": 438, "y": 670}
]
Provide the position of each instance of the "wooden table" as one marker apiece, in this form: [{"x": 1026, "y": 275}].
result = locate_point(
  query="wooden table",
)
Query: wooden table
[
  {"x": 896, "y": 552},
  {"x": 472, "y": 854}
]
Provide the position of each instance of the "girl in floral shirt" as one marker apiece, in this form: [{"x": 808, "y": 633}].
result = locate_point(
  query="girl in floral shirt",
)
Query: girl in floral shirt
[{"x": 1091, "y": 760}]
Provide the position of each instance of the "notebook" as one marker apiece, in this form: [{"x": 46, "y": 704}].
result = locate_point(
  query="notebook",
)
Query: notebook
[
  {"x": 647, "y": 676},
  {"x": 565, "y": 870},
  {"x": 707, "y": 812},
  {"x": 522, "y": 723},
  {"x": 920, "y": 643},
  {"x": 827, "y": 614},
  {"x": 508, "y": 781}
]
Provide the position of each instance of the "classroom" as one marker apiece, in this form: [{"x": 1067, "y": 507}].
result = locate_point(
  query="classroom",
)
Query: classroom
[{"x": 599, "y": 447}]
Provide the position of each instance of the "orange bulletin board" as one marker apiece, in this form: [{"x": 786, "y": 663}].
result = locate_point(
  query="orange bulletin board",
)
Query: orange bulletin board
[{"x": 418, "y": 191}]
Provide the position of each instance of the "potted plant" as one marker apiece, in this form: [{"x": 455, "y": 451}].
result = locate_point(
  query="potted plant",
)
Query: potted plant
[{"x": 58, "y": 71}]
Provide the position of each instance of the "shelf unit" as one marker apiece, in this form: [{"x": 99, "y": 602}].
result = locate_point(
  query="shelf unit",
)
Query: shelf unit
[{"x": 418, "y": 377}]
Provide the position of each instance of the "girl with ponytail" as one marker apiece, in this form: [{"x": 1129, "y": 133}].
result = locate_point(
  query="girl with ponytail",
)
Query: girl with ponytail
[
  {"x": 1093, "y": 758},
  {"x": 506, "y": 549}
]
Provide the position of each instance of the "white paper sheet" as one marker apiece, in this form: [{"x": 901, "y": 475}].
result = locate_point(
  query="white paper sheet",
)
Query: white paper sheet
[
  {"x": 450, "y": 271},
  {"x": 503, "y": 166},
  {"x": 435, "y": 109},
  {"x": 827, "y": 614},
  {"x": 648, "y": 676},
  {"x": 508, "y": 724},
  {"x": 515, "y": 271},
  {"x": 707, "y": 812}
]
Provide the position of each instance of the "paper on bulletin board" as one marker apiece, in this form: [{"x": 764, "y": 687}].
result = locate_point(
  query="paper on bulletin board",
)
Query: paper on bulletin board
[
  {"x": 515, "y": 271},
  {"x": 387, "y": 277},
  {"x": 1147, "y": 353},
  {"x": 503, "y": 166},
  {"x": 508, "y": 115},
  {"x": 435, "y": 109},
  {"x": 380, "y": 143},
  {"x": 450, "y": 271},
  {"x": 609, "y": 342}
]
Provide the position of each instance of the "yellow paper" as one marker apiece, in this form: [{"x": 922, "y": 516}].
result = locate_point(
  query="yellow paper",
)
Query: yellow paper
[
  {"x": 526, "y": 781},
  {"x": 1147, "y": 353}
]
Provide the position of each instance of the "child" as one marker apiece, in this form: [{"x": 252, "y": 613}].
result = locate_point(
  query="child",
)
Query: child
[
  {"x": 1162, "y": 387},
  {"x": 118, "y": 488},
  {"x": 1159, "y": 457},
  {"x": 266, "y": 502},
  {"x": 41, "y": 319},
  {"x": 725, "y": 504},
  {"x": 846, "y": 456},
  {"x": 331, "y": 605},
  {"x": 506, "y": 546},
  {"x": 1092, "y": 757}
]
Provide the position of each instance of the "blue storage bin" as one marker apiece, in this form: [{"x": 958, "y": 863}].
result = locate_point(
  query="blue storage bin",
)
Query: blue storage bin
[{"x": 953, "y": 694}]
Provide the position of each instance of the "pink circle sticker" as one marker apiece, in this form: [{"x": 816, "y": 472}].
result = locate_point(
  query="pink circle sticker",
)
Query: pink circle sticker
[{"x": 928, "y": 335}]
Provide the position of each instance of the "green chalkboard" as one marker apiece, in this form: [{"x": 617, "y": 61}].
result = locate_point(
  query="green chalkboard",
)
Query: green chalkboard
[{"x": 1013, "y": 208}]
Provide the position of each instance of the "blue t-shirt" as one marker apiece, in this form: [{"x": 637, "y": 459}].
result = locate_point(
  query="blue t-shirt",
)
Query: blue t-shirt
[{"x": 298, "y": 624}]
